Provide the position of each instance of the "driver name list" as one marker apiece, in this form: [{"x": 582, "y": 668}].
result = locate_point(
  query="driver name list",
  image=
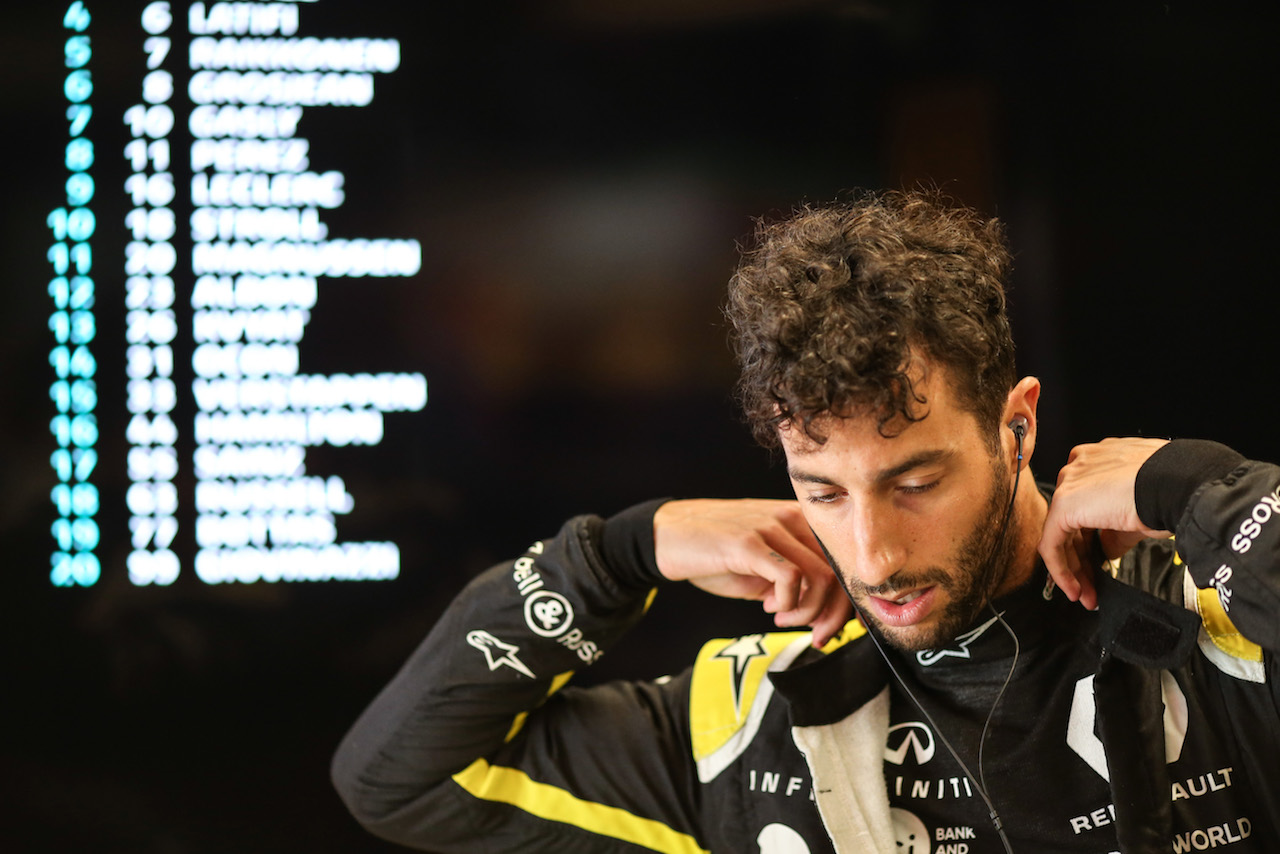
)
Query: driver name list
[{"x": 261, "y": 257}]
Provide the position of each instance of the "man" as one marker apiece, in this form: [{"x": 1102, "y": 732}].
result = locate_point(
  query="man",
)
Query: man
[{"x": 979, "y": 711}]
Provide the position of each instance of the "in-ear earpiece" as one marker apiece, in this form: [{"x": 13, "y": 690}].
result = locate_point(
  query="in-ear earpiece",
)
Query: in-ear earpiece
[{"x": 1019, "y": 427}]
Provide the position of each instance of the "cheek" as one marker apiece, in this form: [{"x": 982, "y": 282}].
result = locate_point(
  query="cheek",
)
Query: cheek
[
  {"x": 948, "y": 534},
  {"x": 821, "y": 524},
  {"x": 833, "y": 535},
  {"x": 956, "y": 518}
]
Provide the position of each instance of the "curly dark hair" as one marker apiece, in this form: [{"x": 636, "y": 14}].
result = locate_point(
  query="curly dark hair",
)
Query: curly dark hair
[{"x": 830, "y": 305}]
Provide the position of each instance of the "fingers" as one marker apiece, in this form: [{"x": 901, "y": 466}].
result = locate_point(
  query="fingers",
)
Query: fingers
[
  {"x": 1057, "y": 554},
  {"x": 1066, "y": 554},
  {"x": 822, "y": 604},
  {"x": 831, "y": 621},
  {"x": 1082, "y": 549},
  {"x": 814, "y": 600},
  {"x": 824, "y": 607},
  {"x": 783, "y": 596},
  {"x": 1095, "y": 492},
  {"x": 752, "y": 549},
  {"x": 803, "y": 591},
  {"x": 806, "y": 581}
]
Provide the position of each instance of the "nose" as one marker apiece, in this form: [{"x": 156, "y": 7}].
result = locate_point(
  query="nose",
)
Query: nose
[{"x": 876, "y": 543}]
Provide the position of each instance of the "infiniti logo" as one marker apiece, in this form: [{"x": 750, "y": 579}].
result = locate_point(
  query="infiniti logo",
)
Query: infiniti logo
[{"x": 917, "y": 738}]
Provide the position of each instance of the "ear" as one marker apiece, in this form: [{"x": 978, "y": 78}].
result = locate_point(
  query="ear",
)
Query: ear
[{"x": 1022, "y": 402}]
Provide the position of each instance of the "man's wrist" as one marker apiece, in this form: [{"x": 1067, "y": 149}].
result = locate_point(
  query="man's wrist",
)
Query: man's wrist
[
  {"x": 1167, "y": 481},
  {"x": 626, "y": 545}
]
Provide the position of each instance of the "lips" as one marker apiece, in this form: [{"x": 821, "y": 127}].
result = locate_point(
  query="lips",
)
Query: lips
[{"x": 906, "y": 609}]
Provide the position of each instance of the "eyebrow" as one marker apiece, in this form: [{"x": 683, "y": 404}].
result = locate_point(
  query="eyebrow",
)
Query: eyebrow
[{"x": 917, "y": 460}]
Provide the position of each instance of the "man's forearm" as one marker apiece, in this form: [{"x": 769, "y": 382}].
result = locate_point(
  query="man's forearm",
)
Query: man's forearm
[{"x": 513, "y": 636}]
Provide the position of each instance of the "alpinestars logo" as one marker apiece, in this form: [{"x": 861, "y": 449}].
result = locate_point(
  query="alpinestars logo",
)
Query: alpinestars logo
[
  {"x": 740, "y": 652},
  {"x": 491, "y": 646},
  {"x": 960, "y": 649},
  {"x": 917, "y": 739}
]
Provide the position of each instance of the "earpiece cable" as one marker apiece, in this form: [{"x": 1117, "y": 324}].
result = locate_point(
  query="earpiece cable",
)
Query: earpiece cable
[{"x": 1017, "y": 651}]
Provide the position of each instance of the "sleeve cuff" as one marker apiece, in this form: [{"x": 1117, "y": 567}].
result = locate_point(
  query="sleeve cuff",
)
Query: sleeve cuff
[
  {"x": 627, "y": 546},
  {"x": 1167, "y": 481}
]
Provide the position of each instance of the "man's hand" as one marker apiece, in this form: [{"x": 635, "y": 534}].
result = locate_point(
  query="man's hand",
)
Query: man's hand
[
  {"x": 752, "y": 549},
  {"x": 1094, "y": 493}
]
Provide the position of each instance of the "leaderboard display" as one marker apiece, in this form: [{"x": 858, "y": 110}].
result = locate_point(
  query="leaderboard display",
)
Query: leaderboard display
[{"x": 224, "y": 252}]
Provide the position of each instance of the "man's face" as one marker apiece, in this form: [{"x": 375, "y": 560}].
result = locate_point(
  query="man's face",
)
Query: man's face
[{"x": 912, "y": 522}]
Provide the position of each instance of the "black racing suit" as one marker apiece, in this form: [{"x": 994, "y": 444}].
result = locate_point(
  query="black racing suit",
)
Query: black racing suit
[{"x": 1149, "y": 725}]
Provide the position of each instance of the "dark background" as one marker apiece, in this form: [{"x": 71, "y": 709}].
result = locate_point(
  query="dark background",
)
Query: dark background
[{"x": 578, "y": 173}]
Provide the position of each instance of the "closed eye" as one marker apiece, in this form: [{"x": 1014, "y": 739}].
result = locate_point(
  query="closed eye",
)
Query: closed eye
[{"x": 917, "y": 489}]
